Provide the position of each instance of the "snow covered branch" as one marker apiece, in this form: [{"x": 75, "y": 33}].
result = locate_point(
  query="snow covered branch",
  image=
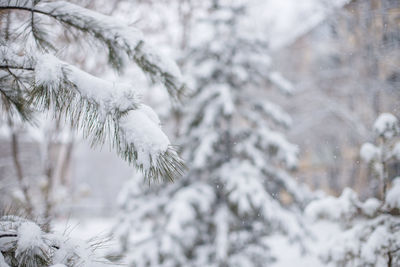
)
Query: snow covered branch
[
  {"x": 34, "y": 78},
  {"x": 103, "y": 109},
  {"x": 24, "y": 243},
  {"x": 120, "y": 40},
  {"x": 371, "y": 228}
]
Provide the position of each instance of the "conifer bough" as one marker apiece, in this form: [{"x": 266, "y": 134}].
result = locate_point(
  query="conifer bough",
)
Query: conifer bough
[
  {"x": 24, "y": 243},
  {"x": 102, "y": 109}
]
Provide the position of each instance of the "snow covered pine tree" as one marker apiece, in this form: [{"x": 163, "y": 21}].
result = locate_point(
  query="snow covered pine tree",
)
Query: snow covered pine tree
[
  {"x": 32, "y": 79},
  {"x": 231, "y": 201},
  {"x": 371, "y": 234}
]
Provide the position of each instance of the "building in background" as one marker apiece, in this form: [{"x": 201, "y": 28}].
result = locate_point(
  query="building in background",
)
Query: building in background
[{"x": 347, "y": 71}]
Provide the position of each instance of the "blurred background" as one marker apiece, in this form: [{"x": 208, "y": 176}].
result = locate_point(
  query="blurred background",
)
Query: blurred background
[{"x": 342, "y": 58}]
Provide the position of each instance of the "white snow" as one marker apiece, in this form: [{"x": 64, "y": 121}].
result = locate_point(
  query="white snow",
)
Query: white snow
[
  {"x": 335, "y": 209},
  {"x": 369, "y": 152},
  {"x": 285, "y": 151},
  {"x": 386, "y": 125},
  {"x": 140, "y": 128},
  {"x": 205, "y": 149},
  {"x": 244, "y": 188},
  {"x": 110, "y": 96},
  {"x": 226, "y": 99},
  {"x": 393, "y": 195},
  {"x": 222, "y": 233},
  {"x": 276, "y": 113},
  {"x": 283, "y": 84},
  {"x": 29, "y": 237},
  {"x": 151, "y": 114},
  {"x": 289, "y": 255},
  {"x": 48, "y": 71},
  {"x": 76, "y": 249},
  {"x": 371, "y": 206},
  {"x": 378, "y": 239}
]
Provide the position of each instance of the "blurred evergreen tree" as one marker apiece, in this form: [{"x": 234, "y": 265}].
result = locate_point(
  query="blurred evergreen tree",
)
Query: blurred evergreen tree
[{"x": 238, "y": 190}]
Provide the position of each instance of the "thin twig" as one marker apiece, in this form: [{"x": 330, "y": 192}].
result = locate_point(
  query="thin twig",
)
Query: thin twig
[
  {"x": 18, "y": 167},
  {"x": 16, "y": 67}
]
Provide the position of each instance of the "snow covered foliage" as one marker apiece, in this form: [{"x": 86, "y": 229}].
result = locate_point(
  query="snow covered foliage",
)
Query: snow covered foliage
[
  {"x": 238, "y": 190},
  {"x": 379, "y": 155},
  {"x": 32, "y": 77},
  {"x": 341, "y": 209},
  {"x": 393, "y": 195},
  {"x": 373, "y": 242},
  {"x": 24, "y": 243},
  {"x": 371, "y": 229},
  {"x": 386, "y": 126}
]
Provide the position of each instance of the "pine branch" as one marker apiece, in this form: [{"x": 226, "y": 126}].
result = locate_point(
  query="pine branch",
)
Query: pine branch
[
  {"x": 119, "y": 39},
  {"x": 13, "y": 86},
  {"x": 8, "y": 67},
  {"x": 103, "y": 110},
  {"x": 24, "y": 243}
]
